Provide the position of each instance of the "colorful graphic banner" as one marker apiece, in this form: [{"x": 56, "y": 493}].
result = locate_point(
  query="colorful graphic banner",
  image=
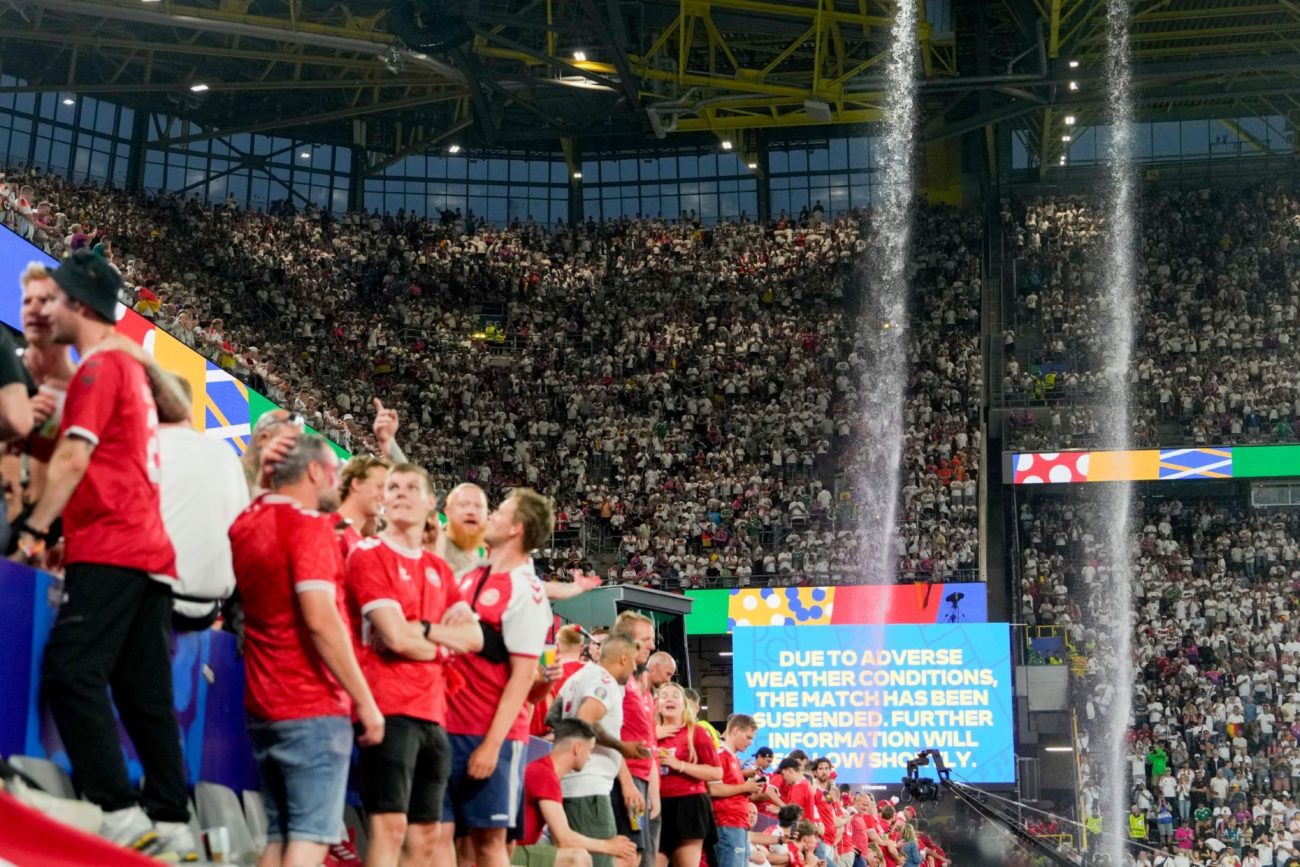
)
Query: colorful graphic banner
[
  {"x": 1153, "y": 465},
  {"x": 872, "y": 697},
  {"x": 718, "y": 612}
]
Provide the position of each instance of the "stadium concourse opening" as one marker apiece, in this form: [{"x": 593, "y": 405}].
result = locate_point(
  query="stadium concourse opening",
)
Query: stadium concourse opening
[{"x": 649, "y": 434}]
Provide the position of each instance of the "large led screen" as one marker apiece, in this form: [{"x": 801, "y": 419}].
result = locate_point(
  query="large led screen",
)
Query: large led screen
[{"x": 871, "y": 697}]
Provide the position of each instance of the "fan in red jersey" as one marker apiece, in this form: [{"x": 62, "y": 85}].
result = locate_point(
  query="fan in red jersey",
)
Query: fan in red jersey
[
  {"x": 408, "y": 617},
  {"x": 113, "y": 626},
  {"x": 300, "y": 666},
  {"x": 361, "y": 490},
  {"x": 487, "y": 721}
]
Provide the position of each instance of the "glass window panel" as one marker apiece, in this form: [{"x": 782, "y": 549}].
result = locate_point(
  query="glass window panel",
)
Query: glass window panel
[
  {"x": 105, "y": 121},
  {"x": 838, "y": 153},
  {"x": 749, "y": 204},
  {"x": 667, "y": 168},
  {"x": 627, "y": 170},
  {"x": 1083, "y": 147},
  {"x": 688, "y": 167},
  {"x": 799, "y": 160},
  {"x": 62, "y": 134},
  {"x": 539, "y": 172},
  {"x": 818, "y": 160},
  {"x": 7, "y": 99},
  {"x": 1166, "y": 139},
  {"x": 608, "y": 171},
  {"x": 859, "y": 152},
  {"x": 649, "y": 170},
  {"x": 708, "y": 166},
  {"x": 780, "y": 202},
  {"x": 81, "y": 163},
  {"x": 778, "y": 162},
  {"x": 25, "y": 103},
  {"x": 1019, "y": 153},
  {"x": 559, "y": 173},
  {"x": 1142, "y": 141},
  {"x": 590, "y": 172},
  {"x": 730, "y": 164}
]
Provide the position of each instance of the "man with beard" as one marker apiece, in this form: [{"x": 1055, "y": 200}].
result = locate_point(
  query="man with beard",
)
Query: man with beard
[
  {"x": 487, "y": 720},
  {"x": 302, "y": 674},
  {"x": 462, "y": 542}
]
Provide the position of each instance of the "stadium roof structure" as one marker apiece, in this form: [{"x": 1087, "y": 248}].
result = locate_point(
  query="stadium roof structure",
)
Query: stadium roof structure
[{"x": 405, "y": 76}]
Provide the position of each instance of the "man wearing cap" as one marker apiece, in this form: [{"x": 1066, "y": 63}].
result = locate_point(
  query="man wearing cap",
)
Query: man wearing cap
[{"x": 113, "y": 626}]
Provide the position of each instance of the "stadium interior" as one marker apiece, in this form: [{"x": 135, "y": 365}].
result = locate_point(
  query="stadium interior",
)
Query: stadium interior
[{"x": 632, "y": 256}]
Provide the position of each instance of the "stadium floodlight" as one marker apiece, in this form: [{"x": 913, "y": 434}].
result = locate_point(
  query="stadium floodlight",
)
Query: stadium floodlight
[
  {"x": 1074, "y": 85},
  {"x": 69, "y": 101},
  {"x": 580, "y": 56},
  {"x": 1069, "y": 120},
  {"x": 726, "y": 144},
  {"x": 198, "y": 88},
  {"x": 305, "y": 155},
  {"x": 1074, "y": 64},
  {"x": 1058, "y": 749},
  {"x": 752, "y": 166},
  {"x": 577, "y": 176},
  {"x": 1062, "y": 159},
  {"x": 453, "y": 149},
  {"x": 1065, "y": 137}
]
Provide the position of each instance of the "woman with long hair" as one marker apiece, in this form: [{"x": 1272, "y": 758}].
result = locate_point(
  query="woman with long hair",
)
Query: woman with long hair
[
  {"x": 688, "y": 762},
  {"x": 911, "y": 848}
]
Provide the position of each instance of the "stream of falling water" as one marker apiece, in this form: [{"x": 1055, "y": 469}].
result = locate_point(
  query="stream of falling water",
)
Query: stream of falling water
[
  {"x": 1109, "y": 743},
  {"x": 883, "y": 330}
]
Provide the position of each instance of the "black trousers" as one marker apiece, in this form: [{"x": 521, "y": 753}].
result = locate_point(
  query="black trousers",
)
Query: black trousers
[{"x": 114, "y": 630}]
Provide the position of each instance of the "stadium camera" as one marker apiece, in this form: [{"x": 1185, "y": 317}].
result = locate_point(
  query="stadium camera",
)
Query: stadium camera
[{"x": 922, "y": 789}]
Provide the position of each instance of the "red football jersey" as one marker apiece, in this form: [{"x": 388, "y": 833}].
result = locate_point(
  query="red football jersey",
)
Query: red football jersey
[
  {"x": 280, "y": 550},
  {"x": 114, "y": 517},
  {"x": 540, "y": 784},
  {"x": 733, "y": 811},
  {"x": 381, "y": 573},
  {"x": 676, "y": 785},
  {"x": 639, "y": 725},
  {"x": 348, "y": 536},
  {"x": 515, "y": 604}
]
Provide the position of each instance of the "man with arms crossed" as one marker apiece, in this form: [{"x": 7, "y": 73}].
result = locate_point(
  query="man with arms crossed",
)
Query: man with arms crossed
[
  {"x": 409, "y": 618},
  {"x": 299, "y": 662},
  {"x": 544, "y": 806},
  {"x": 487, "y": 720}
]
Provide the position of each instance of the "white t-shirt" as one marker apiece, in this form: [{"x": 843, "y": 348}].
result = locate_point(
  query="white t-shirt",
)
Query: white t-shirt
[
  {"x": 598, "y": 775},
  {"x": 203, "y": 490}
]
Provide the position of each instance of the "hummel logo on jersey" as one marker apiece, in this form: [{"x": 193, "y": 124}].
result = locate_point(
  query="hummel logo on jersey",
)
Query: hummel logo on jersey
[{"x": 402, "y": 573}]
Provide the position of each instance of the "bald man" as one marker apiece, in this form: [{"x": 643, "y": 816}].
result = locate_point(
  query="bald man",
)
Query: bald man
[
  {"x": 660, "y": 668},
  {"x": 461, "y": 545}
]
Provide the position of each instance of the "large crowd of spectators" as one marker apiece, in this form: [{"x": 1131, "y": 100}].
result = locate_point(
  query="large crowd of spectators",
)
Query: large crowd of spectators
[
  {"x": 687, "y": 393},
  {"x": 1216, "y": 307},
  {"x": 1213, "y": 747}
]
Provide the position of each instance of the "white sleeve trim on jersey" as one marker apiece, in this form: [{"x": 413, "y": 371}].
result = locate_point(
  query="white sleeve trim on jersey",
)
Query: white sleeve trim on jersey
[
  {"x": 82, "y": 433},
  {"x": 380, "y": 603},
  {"x": 307, "y": 586}
]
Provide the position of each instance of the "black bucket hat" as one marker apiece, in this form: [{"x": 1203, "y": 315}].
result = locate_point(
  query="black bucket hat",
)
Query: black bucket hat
[{"x": 92, "y": 281}]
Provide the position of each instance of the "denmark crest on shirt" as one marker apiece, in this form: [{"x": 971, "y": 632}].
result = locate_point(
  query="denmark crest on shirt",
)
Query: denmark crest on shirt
[{"x": 431, "y": 575}]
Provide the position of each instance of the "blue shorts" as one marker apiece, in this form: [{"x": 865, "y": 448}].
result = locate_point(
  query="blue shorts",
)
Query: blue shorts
[
  {"x": 492, "y": 803},
  {"x": 303, "y": 764}
]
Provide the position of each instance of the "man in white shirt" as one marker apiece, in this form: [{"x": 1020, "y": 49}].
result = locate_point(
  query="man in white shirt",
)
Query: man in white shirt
[
  {"x": 595, "y": 695},
  {"x": 203, "y": 490}
]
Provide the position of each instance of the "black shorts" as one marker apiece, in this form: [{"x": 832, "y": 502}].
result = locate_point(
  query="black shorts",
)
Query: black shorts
[
  {"x": 407, "y": 773},
  {"x": 621, "y": 821},
  {"x": 687, "y": 818}
]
